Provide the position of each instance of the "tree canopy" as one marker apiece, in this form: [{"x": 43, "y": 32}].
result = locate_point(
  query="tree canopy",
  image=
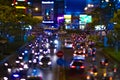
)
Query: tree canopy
[
  {"x": 116, "y": 21},
  {"x": 11, "y": 21}
]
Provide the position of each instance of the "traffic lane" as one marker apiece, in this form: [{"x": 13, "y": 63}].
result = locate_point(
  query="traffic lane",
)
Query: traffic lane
[
  {"x": 10, "y": 60},
  {"x": 76, "y": 75},
  {"x": 88, "y": 63},
  {"x": 48, "y": 73},
  {"x": 27, "y": 56},
  {"x": 53, "y": 73},
  {"x": 70, "y": 74}
]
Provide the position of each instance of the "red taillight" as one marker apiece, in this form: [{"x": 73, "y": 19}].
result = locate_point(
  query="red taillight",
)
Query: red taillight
[
  {"x": 115, "y": 70},
  {"x": 73, "y": 66},
  {"x": 106, "y": 64},
  {"x": 82, "y": 67}
]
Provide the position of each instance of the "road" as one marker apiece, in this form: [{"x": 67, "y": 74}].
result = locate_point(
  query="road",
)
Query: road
[
  {"x": 69, "y": 75},
  {"x": 33, "y": 71},
  {"x": 88, "y": 62},
  {"x": 59, "y": 72}
]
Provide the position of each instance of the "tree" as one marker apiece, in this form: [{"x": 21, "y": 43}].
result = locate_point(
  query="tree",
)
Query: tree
[
  {"x": 12, "y": 22},
  {"x": 100, "y": 16},
  {"x": 116, "y": 21},
  {"x": 6, "y": 2},
  {"x": 6, "y": 17},
  {"x": 97, "y": 18},
  {"x": 116, "y": 33}
]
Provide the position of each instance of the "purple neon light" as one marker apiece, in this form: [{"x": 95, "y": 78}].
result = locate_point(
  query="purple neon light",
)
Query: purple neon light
[{"x": 60, "y": 18}]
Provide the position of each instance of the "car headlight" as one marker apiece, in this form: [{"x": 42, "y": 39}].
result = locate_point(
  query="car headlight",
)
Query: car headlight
[
  {"x": 25, "y": 66},
  {"x": 51, "y": 41},
  {"x": 74, "y": 54},
  {"x": 56, "y": 41},
  {"x": 22, "y": 79},
  {"x": 17, "y": 61},
  {"x": 16, "y": 75},
  {"x": 34, "y": 61},
  {"x": 5, "y": 78},
  {"x": 40, "y": 63},
  {"x": 40, "y": 50},
  {"x": 20, "y": 57},
  {"x": 75, "y": 51},
  {"x": 40, "y": 57},
  {"x": 9, "y": 70},
  {"x": 49, "y": 63},
  {"x": 21, "y": 69},
  {"x": 30, "y": 61},
  {"x": 47, "y": 45},
  {"x": 6, "y": 64}
]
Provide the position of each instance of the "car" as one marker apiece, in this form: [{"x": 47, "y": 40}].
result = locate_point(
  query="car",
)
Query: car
[
  {"x": 78, "y": 51},
  {"x": 44, "y": 50},
  {"x": 77, "y": 65},
  {"x": 104, "y": 62},
  {"x": 79, "y": 57},
  {"x": 68, "y": 44},
  {"x": 45, "y": 62}
]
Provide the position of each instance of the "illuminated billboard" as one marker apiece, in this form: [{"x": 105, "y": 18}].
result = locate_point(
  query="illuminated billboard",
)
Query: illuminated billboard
[
  {"x": 60, "y": 19},
  {"x": 67, "y": 19},
  {"x": 48, "y": 11},
  {"x": 100, "y": 27},
  {"x": 85, "y": 18},
  {"x": 82, "y": 27}
]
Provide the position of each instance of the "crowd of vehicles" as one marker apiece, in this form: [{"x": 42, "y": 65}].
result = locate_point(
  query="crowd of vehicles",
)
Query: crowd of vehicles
[
  {"x": 85, "y": 50},
  {"x": 36, "y": 55}
]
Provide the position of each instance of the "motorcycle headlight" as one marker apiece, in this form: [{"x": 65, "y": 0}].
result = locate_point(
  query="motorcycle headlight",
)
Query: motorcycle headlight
[
  {"x": 5, "y": 78},
  {"x": 6, "y": 64},
  {"x": 49, "y": 63},
  {"x": 40, "y": 50},
  {"x": 51, "y": 41},
  {"x": 40, "y": 63}
]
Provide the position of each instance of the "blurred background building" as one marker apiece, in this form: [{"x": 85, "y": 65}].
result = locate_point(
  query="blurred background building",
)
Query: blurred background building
[{"x": 67, "y": 12}]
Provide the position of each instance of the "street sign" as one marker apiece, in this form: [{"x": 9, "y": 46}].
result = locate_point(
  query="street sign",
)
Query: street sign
[
  {"x": 60, "y": 54},
  {"x": 60, "y": 61}
]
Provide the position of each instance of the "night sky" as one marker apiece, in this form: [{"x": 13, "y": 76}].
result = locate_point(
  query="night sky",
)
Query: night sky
[{"x": 75, "y": 6}]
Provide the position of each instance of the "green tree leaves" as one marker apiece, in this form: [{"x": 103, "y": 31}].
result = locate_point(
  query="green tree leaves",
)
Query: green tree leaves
[{"x": 10, "y": 20}]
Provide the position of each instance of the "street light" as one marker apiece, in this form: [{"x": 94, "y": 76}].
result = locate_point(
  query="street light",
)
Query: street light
[
  {"x": 36, "y": 9},
  {"x": 89, "y": 7}
]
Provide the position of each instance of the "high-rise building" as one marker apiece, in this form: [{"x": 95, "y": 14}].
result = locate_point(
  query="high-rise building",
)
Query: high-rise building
[
  {"x": 59, "y": 11},
  {"x": 48, "y": 11}
]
